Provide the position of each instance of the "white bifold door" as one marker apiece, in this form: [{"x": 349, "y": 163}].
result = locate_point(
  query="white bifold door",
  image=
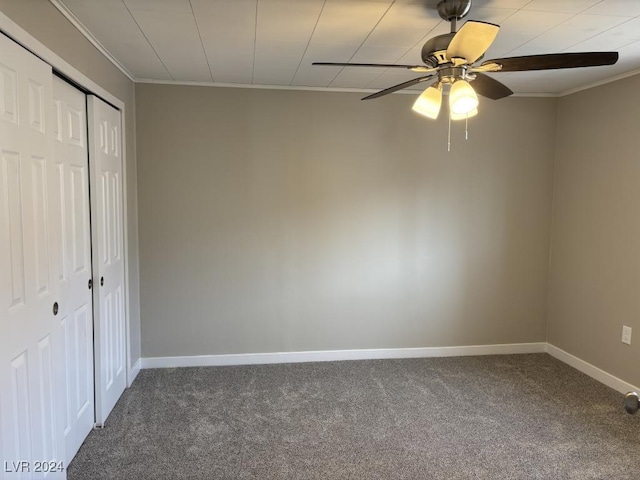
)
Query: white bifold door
[
  {"x": 108, "y": 254},
  {"x": 31, "y": 390},
  {"x": 62, "y": 286},
  {"x": 71, "y": 158}
]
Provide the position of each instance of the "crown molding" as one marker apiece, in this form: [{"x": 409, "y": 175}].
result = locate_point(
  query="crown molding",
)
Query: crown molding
[
  {"x": 89, "y": 36},
  {"x": 588, "y": 86},
  {"x": 268, "y": 87},
  {"x": 534, "y": 95},
  {"x": 303, "y": 88}
]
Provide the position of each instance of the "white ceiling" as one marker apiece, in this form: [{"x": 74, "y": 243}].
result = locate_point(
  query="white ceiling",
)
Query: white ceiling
[{"x": 274, "y": 42}]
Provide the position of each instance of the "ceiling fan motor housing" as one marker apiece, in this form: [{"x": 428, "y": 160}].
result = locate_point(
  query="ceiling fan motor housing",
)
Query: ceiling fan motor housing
[
  {"x": 453, "y": 9},
  {"x": 434, "y": 51}
]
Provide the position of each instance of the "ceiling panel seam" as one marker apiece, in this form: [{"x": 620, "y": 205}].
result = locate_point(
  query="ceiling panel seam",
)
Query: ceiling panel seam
[
  {"x": 601, "y": 33},
  {"x": 204, "y": 51},
  {"x": 539, "y": 35},
  {"x": 147, "y": 39},
  {"x": 308, "y": 42},
  {"x": 418, "y": 44},
  {"x": 364, "y": 41}
]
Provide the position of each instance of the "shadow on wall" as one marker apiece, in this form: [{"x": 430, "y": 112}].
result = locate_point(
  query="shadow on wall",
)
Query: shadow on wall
[{"x": 289, "y": 221}]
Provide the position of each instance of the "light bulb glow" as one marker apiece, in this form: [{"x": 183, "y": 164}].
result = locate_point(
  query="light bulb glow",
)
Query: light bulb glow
[
  {"x": 462, "y": 98},
  {"x": 429, "y": 102},
  {"x": 463, "y": 116}
]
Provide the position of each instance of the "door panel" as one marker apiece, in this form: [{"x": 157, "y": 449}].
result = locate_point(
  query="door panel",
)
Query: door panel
[
  {"x": 13, "y": 217},
  {"x": 72, "y": 166},
  {"x": 106, "y": 187},
  {"x": 41, "y": 250},
  {"x": 30, "y": 362}
]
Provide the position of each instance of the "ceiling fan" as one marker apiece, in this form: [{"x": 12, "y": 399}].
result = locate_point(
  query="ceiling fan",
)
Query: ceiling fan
[{"x": 451, "y": 59}]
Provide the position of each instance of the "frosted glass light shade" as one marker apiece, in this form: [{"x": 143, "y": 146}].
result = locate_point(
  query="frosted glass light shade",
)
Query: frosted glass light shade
[
  {"x": 463, "y": 116},
  {"x": 462, "y": 98},
  {"x": 429, "y": 102}
]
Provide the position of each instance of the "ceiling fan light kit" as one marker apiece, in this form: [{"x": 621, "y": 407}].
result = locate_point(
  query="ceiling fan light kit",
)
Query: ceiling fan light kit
[
  {"x": 429, "y": 102},
  {"x": 462, "y": 98},
  {"x": 452, "y": 57},
  {"x": 463, "y": 116}
]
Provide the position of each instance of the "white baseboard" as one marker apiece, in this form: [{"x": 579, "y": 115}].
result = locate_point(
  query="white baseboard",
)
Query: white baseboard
[
  {"x": 135, "y": 370},
  {"x": 384, "y": 353},
  {"x": 591, "y": 370},
  {"x": 335, "y": 355}
]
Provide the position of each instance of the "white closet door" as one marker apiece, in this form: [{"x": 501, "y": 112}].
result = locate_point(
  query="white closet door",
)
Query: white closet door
[
  {"x": 108, "y": 253},
  {"x": 71, "y": 158},
  {"x": 30, "y": 272}
]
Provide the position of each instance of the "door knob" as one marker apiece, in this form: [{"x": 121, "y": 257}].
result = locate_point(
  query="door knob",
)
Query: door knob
[
  {"x": 631, "y": 402},
  {"x": 90, "y": 284},
  {"x": 55, "y": 308},
  {"x": 101, "y": 281}
]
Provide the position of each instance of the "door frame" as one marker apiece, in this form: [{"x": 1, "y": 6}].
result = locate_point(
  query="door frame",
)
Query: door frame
[{"x": 30, "y": 43}]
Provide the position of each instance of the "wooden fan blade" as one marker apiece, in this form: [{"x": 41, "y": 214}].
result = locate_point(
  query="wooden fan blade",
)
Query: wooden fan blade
[
  {"x": 554, "y": 61},
  {"x": 395, "y": 88},
  {"x": 489, "y": 87},
  {"x": 415, "y": 68},
  {"x": 472, "y": 40}
]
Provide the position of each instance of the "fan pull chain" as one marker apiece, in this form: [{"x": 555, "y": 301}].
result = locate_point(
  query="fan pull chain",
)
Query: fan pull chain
[
  {"x": 449, "y": 135},
  {"x": 466, "y": 127}
]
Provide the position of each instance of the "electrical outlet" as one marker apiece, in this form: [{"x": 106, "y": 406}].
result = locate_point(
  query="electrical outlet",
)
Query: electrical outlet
[{"x": 626, "y": 335}]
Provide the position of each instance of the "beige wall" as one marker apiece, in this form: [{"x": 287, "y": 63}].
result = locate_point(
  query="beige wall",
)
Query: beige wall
[
  {"x": 44, "y": 22},
  {"x": 278, "y": 220},
  {"x": 595, "y": 260}
]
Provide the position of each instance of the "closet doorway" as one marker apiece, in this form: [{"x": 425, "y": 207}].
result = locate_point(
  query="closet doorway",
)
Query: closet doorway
[{"x": 62, "y": 265}]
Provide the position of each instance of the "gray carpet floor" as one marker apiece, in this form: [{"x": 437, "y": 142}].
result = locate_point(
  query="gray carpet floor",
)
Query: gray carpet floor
[{"x": 492, "y": 417}]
